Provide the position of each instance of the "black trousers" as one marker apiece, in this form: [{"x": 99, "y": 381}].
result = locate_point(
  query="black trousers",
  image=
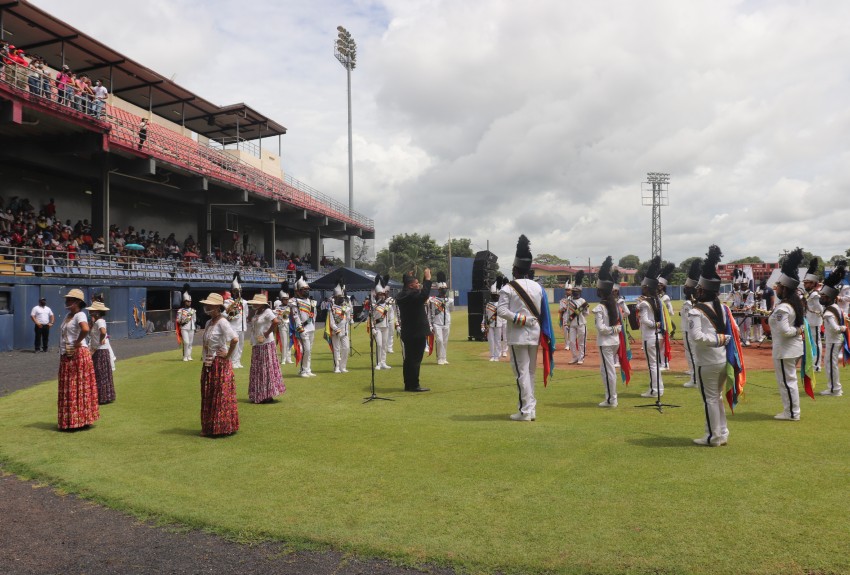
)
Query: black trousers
[
  {"x": 414, "y": 349},
  {"x": 42, "y": 336}
]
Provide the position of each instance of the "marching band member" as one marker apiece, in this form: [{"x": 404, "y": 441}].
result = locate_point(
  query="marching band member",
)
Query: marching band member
[
  {"x": 759, "y": 308},
  {"x": 265, "y": 382},
  {"x": 392, "y": 319},
  {"x": 649, "y": 316},
  {"x": 440, "y": 313},
  {"x": 834, "y": 328},
  {"x": 234, "y": 309},
  {"x": 491, "y": 324},
  {"x": 621, "y": 303},
  {"x": 707, "y": 323},
  {"x": 339, "y": 318},
  {"x": 786, "y": 328},
  {"x": 283, "y": 312},
  {"x": 814, "y": 310},
  {"x": 664, "y": 298},
  {"x": 303, "y": 314},
  {"x": 689, "y": 290},
  {"x": 378, "y": 316},
  {"x": 748, "y": 303},
  {"x": 576, "y": 314},
  {"x": 521, "y": 302},
  {"x": 186, "y": 319},
  {"x": 563, "y": 306},
  {"x": 608, "y": 328}
]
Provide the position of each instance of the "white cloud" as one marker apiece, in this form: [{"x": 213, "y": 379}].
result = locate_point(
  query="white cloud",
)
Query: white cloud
[{"x": 491, "y": 118}]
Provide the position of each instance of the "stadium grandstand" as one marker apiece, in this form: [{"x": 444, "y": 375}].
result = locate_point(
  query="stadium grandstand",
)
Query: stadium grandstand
[{"x": 116, "y": 180}]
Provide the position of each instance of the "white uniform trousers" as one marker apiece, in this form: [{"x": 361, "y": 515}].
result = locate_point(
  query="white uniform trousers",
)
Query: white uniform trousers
[
  {"x": 504, "y": 343},
  {"x": 758, "y": 330},
  {"x": 524, "y": 364},
  {"x": 786, "y": 379},
  {"x": 494, "y": 338},
  {"x": 566, "y": 336},
  {"x": 188, "y": 336},
  {"x": 689, "y": 355},
  {"x": 652, "y": 349},
  {"x": 380, "y": 334},
  {"x": 390, "y": 339},
  {"x": 236, "y": 359},
  {"x": 814, "y": 330},
  {"x": 342, "y": 349},
  {"x": 441, "y": 341},
  {"x": 832, "y": 355},
  {"x": 745, "y": 330},
  {"x": 712, "y": 382},
  {"x": 578, "y": 341},
  {"x": 283, "y": 334},
  {"x": 607, "y": 357},
  {"x": 307, "y": 351}
]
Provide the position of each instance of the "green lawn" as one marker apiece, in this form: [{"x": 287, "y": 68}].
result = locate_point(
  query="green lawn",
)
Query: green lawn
[{"x": 446, "y": 477}]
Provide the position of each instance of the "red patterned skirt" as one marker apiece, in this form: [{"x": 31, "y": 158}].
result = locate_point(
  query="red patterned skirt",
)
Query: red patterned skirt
[
  {"x": 219, "y": 412},
  {"x": 77, "y": 390},
  {"x": 103, "y": 375},
  {"x": 265, "y": 380}
]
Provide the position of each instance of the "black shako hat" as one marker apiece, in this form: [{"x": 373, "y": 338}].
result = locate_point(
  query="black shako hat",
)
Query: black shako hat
[
  {"x": 522, "y": 260},
  {"x": 709, "y": 280}
]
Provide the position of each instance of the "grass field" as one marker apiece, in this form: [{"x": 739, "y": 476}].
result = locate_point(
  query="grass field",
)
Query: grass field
[{"x": 446, "y": 477}]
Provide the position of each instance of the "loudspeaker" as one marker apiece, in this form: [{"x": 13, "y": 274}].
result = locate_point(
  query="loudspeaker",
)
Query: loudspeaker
[
  {"x": 486, "y": 256},
  {"x": 475, "y": 302},
  {"x": 484, "y": 270}
]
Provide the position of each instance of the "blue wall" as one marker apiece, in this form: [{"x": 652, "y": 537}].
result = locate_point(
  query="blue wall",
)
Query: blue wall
[{"x": 462, "y": 278}]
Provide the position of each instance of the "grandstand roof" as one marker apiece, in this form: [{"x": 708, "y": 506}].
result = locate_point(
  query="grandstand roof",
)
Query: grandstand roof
[{"x": 37, "y": 32}]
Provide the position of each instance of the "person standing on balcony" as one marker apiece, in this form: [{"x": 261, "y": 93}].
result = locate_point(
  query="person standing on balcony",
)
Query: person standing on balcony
[
  {"x": 143, "y": 132},
  {"x": 100, "y": 95}
]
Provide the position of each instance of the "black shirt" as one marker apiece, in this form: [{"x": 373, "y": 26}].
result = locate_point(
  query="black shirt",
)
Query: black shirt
[{"x": 411, "y": 308}]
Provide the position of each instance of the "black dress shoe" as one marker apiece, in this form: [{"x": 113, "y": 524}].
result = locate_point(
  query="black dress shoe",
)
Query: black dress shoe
[{"x": 419, "y": 389}]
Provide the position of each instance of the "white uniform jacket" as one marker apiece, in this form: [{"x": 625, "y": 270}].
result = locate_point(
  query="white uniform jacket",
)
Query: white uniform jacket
[
  {"x": 814, "y": 310},
  {"x": 440, "y": 310},
  {"x": 606, "y": 329},
  {"x": 706, "y": 344},
  {"x": 522, "y": 326},
  {"x": 787, "y": 343},
  {"x": 648, "y": 329},
  {"x": 303, "y": 313},
  {"x": 833, "y": 319}
]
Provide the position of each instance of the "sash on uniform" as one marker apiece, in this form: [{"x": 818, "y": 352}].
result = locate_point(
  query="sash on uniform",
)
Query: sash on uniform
[
  {"x": 624, "y": 352},
  {"x": 736, "y": 373},
  {"x": 845, "y": 355},
  {"x": 328, "y": 336},
  {"x": 547, "y": 334},
  {"x": 807, "y": 366}
]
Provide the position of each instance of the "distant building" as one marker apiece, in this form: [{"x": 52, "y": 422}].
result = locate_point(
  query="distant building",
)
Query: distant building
[{"x": 563, "y": 273}]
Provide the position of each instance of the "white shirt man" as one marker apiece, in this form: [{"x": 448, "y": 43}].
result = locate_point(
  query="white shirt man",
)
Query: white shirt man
[{"x": 42, "y": 317}]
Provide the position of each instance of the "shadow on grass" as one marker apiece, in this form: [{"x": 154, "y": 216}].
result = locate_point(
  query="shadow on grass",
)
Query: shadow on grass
[
  {"x": 43, "y": 425},
  {"x": 481, "y": 417},
  {"x": 661, "y": 441},
  {"x": 192, "y": 432},
  {"x": 748, "y": 416},
  {"x": 574, "y": 405}
]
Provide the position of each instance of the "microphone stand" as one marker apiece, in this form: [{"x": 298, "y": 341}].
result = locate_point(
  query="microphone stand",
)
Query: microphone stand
[
  {"x": 657, "y": 405},
  {"x": 374, "y": 395}
]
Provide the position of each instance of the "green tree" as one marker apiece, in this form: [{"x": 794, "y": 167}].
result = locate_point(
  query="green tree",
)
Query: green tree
[
  {"x": 748, "y": 260},
  {"x": 461, "y": 248},
  {"x": 550, "y": 260},
  {"x": 629, "y": 262},
  {"x": 410, "y": 252}
]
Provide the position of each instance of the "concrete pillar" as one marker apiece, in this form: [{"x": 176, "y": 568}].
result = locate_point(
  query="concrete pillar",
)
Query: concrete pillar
[
  {"x": 316, "y": 248},
  {"x": 348, "y": 247},
  {"x": 100, "y": 204},
  {"x": 269, "y": 242},
  {"x": 204, "y": 227}
]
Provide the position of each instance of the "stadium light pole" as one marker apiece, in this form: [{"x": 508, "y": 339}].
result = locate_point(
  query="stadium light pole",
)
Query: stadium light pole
[
  {"x": 345, "y": 50},
  {"x": 654, "y": 193}
]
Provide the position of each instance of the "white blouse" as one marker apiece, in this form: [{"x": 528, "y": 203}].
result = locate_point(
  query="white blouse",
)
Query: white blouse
[
  {"x": 71, "y": 331},
  {"x": 95, "y": 336},
  {"x": 260, "y": 324},
  {"x": 217, "y": 336}
]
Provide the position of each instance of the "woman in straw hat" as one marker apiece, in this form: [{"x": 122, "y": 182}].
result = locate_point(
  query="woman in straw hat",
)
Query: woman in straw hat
[
  {"x": 101, "y": 354},
  {"x": 219, "y": 412},
  {"x": 77, "y": 385},
  {"x": 265, "y": 381}
]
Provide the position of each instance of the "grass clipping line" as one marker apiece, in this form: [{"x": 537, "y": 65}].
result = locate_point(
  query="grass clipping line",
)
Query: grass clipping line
[{"x": 445, "y": 477}]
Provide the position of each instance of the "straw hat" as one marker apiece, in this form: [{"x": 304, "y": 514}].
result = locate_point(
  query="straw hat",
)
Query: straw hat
[
  {"x": 97, "y": 306},
  {"x": 259, "y": 299},
  {"x": 213, "y": 299},
  {"x": 77, "y": 294}
]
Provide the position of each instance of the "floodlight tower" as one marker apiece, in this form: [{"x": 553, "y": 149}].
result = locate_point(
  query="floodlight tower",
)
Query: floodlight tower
[
  {"x": 654, "y": 193},
  {"x": 345, "y": 50}
]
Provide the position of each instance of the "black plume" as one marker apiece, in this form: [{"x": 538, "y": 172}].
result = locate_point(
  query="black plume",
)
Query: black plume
[
  {"x": 605, "y": 269},
  {"x": 668, "y": 269},
  {"x": 386, "y": 280},
  {"x": 615, "y": 276},
  {"x": 522, "y": 248},
  {"x": 791, "y": 264},
  {"x": 814, "y": 264},
  {"x": 186, "y": 288},
  {"x": 441, "y": 277},
  {"x": 654, "y": 267},
  {"x": 578, "y": 279},
  {"x": 837, "y": 275},
  {"x": 377, "y": 280},
  {"x": 694, "y": 270},
  {"x": 712, "y": 258}
]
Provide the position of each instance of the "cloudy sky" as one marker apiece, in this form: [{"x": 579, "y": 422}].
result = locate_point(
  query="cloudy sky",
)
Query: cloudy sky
[{"x": 490, "y": 118}]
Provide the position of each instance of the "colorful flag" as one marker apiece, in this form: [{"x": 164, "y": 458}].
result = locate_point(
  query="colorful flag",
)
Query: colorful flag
[
  {"x": 328, "y": 336},
  {"x": 665, "y": 329},
  {"x": 624, "y": 352},
  {"x": 736, "y": 373},
  {"x": 807, "y": 366},
  {"x": 547, "y": 339}
]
